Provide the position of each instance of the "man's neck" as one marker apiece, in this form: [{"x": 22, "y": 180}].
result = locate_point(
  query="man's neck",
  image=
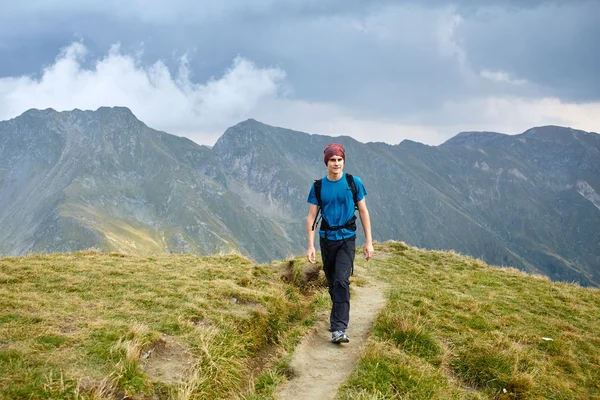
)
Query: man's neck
[{"x": 335, "y": 177}]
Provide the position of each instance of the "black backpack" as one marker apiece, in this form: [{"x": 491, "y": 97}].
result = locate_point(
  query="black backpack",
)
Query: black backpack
[{"x": 351, "y": 223}]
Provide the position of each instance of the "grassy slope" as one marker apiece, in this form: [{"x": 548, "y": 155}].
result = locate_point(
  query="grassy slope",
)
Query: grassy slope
[
  {"x": 456, "y": 328},
  {"x": 79, "y": 326}
]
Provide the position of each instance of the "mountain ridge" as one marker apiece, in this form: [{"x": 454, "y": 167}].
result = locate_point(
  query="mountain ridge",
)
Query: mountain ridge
[{"x": 105, "y": 179}]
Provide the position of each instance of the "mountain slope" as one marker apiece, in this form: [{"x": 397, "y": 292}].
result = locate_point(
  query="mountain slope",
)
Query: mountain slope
[
  {"x": 540, "y": 199},
  {"x": 81, "y": 179},
  {"x": 104, "y": 179},
  {"x": 519, "y": 200}
]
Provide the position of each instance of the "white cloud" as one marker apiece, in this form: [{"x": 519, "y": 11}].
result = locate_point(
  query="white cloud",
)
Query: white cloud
[
  {"x": 510, "y": 115},
  {"x": 202, "y": 111},
  {"x": 333, "y": 120},
  {"x": 501, "y": 76},
  {"x": 448, "y": 45},
  {"x": 163, "y": 101},
  {"x": 515, "y": 115}
]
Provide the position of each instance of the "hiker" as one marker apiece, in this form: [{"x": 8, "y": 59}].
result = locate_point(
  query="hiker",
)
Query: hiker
[{"x": 337, "y": 196}]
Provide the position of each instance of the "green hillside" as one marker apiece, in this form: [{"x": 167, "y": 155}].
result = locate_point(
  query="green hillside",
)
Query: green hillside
[
  {"x": 457, "y": 328},
  {"x": 107, "y": 325}
]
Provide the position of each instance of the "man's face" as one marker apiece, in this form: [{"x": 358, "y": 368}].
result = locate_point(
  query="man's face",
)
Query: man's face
[{"x": 335, "y": 165}]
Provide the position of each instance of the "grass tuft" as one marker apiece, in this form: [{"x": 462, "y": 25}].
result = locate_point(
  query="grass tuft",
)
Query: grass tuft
[
  {"x": 408, "y": 334},
  {"x": 491, "y": 367}
]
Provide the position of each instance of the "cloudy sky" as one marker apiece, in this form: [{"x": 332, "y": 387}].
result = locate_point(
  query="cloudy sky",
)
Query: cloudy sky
[{"x": 377, "y": 70}]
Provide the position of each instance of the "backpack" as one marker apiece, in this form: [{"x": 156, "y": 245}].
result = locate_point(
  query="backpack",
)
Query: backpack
[{"x": 350, "y": 224}]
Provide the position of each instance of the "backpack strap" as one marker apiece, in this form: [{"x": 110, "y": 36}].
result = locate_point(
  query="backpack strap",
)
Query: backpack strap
[
  {"x": 352, "y": 185},
  {"x": 317, "y": 185}
]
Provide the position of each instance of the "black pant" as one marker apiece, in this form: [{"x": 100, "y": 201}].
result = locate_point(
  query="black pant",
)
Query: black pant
[{"x": 338, "y": 262}]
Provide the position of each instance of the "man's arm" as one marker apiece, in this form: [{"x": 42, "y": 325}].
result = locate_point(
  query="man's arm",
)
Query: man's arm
[
  {"x": 365, "y": 220},
  {"x": 310, "y": 234}
]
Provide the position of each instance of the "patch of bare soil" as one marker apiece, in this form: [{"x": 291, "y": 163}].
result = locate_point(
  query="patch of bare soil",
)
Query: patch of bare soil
[
  {"x": 319, "y": 367},
  {"x": 167, "y": 361}
]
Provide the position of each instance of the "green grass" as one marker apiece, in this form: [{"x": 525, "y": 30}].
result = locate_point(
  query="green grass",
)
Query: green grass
[
  {"x": 108, "y": 325},
  {"x": 82, "y": 325},
  {"x": 457, "y": 328}
]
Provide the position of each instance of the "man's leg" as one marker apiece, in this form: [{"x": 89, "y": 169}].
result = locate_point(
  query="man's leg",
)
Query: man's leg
[
  {"x": 340, "y": 286},
  {"x": 328, "y": 254}
]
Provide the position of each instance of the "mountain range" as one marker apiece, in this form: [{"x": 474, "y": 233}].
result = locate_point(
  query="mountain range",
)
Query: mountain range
[{"x": 103, "y": 179}]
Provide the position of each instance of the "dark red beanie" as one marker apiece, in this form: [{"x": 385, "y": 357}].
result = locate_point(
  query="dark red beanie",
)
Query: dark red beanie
[{"x": 334, "y": 149}]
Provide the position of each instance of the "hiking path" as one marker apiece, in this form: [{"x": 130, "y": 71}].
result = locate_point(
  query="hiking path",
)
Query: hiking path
[{"x": 320, "y": 367}]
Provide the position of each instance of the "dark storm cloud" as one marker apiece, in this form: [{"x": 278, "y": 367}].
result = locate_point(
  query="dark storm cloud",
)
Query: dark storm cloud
[
  {"x": 322, "y": 47},
  {"x": 555, "y": 46}
]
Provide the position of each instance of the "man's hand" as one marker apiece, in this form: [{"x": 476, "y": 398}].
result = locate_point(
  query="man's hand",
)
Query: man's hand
[
  {"x": 368, "y": 250},
  {"x": 310, "y": 254}
]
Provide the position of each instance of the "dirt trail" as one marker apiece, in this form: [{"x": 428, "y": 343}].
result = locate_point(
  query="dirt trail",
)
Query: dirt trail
[{"x": 321, "y": 367}]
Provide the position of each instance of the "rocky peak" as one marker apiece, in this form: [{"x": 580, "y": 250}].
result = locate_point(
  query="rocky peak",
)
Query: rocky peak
[
  {"x": 475, "y": 139},
  {"x": 35, "y": 113},
  {"x": 242, "y": 134},
  {"x": 554, "y": 134}
]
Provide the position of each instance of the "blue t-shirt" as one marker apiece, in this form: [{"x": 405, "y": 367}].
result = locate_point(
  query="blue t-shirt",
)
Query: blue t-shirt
[{"x": 337, "y": 204}]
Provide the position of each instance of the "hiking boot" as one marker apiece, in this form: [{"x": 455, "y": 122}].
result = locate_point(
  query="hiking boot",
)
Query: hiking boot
[{"x": 339, "y": 337}]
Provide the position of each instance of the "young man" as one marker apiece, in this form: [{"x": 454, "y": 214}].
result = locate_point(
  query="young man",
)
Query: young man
[{"x": 338, "y": 234}]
